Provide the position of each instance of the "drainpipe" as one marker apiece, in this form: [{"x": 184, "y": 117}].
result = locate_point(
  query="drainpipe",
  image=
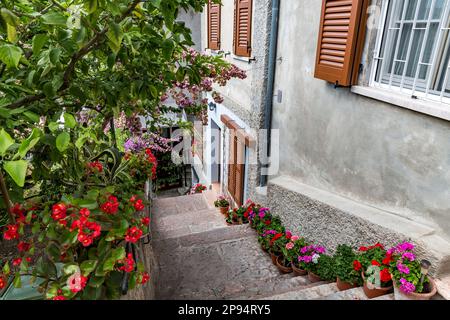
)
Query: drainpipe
[{"x": 270, "y": 82}]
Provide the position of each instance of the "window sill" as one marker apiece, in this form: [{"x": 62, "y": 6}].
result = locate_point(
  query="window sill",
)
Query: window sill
[
  {"x": 244, "y": 59},
  {"x": 431, "y": 108}
]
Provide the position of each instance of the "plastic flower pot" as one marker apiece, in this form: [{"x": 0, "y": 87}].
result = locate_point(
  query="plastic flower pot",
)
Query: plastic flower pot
[
  {"x": 313, "y": 277},
  {"x": 343, "y": 286},
  {"x": 299, "y": 272},
  {"x": 400, "y": 295},
  {"x": 224, "y": 210},
  {"x": 373, "y": 292},
  {"x": 282, "y": 268}
]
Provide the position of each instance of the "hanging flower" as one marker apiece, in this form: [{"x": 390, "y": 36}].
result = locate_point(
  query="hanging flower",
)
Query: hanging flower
[
  {"x": 127, "y": 263},
  {"x": 133, "y": 234},
  {"x": 145, "y": 277},
  {"x": 145, "y": 221}
]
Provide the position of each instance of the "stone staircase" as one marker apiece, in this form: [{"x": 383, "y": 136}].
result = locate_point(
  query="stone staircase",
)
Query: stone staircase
[{"x": 202, "y": 258}]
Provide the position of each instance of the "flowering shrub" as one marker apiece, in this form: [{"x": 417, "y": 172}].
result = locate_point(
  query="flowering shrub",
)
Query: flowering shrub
[
  {"x": 374, "y": 262},
  {"x": 81, "y": 236},
  {"x": 142, "y": 166},
  {"x": 222, "y": 202},
  {"x": 406, "y": 270},
  {"x": 348, "y": 268}
]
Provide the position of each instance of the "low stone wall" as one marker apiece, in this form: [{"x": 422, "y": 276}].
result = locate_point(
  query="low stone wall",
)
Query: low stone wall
[{"x": 314, "y": 218}]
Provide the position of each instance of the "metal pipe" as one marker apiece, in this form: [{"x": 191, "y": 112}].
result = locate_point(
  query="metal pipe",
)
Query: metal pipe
[{"x": 270, "y": 82}]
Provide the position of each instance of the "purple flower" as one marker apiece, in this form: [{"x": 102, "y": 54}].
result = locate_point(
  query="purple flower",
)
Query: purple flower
[
  {"x": 406, "y": 246},
  {"x": 407, "y": 287},
  {"x": 402, "y": 268},
  {"x": 408, "y": 255},
  {"x": 320, "y": 250},
  {"x": 307, "y": 259}
]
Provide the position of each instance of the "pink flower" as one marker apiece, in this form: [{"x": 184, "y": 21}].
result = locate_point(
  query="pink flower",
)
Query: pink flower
[
  {"x": 290, "y": 246},
  {"x": 295, "y": 238},
  {"x": 76, "y": 282}
]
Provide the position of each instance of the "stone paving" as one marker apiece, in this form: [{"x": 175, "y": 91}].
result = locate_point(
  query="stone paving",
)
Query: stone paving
[{"x": 200, "y": 257}]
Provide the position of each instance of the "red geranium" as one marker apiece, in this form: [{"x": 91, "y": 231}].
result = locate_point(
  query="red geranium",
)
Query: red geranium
[
  {"x": 145, "y": 221},
  {"x": 363, "y": 248},
  {"x": 375, "y": 263},
  {"x": 385, "y": 275},
  {"x": 388, "y": 259},
  {"x": 16, "y": 262},
  {"x": 11, "y": 233},
  {"x": 133, "y": 234},
  {"x": 85, "y": 212},
  {"x": 357, "y": 265},
  {"x": 111, "y": 206},
  {"x": 128, "y": 263},
  {"x": 95, "y": 166},
  {"x": 275, "y": 238},
  {"x": 145, "y": 278},
  {"x": 139, "y": 205},
  {"x": 59, "y": 211},
  {"x": 2, "y": 282},
  {"x": 23, "y": 246},
  {"x": 267, "y": 222}
]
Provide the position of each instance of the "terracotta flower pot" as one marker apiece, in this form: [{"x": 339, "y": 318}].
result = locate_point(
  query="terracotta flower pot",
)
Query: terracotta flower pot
[
  {"x": 313, "y": 277},
  {"x": 342, "y": 286},
  {"x": 274, "y": 258},
  {"x": 224, "y": 210},
  {"x": 299, "y": 272},
  {"x": 282, "y": 268},
  {"x": 399, "y": 295},
  {"x": 374, "y": 292}
]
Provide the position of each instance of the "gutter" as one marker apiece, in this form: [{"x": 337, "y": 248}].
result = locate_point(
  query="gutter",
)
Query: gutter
[{"x": 270, "y": 85}]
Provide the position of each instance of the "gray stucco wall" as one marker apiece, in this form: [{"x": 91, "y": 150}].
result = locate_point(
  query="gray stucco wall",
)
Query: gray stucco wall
[
  {"x": 192, "y": 21},
  {"x": 369, "y": 151}
]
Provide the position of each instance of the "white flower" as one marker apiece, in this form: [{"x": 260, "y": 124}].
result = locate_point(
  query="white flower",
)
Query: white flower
[{"x": 315, "y": 258}]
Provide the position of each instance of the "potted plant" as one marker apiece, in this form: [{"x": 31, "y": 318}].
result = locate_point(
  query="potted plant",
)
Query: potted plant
[
  {"x": 286, "y": 247},
  {"x": 275, "y": 244},
  {"x": 410, "y": 277},
  {"x": 223, "y": 204},
  {"x": 326, "y": 268},
  {"x": 374, "y": 266},
  {"x": 309, "y": 260},
  {"x": 197, "y": 188},
  {"x": 293, "y": 254},
  {"x": 347, "y": 275}
]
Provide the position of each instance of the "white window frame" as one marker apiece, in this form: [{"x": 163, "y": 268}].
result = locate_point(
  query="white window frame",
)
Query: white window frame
[{"x": 427, "y": 95}]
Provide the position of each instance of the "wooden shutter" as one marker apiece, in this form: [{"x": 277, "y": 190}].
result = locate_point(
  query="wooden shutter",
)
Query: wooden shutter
[
  {"x": 240, "y": 171},
  {"x": 243, "y": 28},
  {"x": 341, "y": 37},
  {"x": 214, "y": 25},
  {"x": 232, "y": 165}
]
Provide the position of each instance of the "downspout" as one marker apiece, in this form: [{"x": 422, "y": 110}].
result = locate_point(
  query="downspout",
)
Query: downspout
[{"x": 270, "y": 84}]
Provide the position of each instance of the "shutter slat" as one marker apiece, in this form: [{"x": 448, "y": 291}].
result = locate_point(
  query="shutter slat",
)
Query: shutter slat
[
  {"x": 341, "y": 36},
  {"x": 214, "y": 25},
  {"x": 242, "y": 32}
]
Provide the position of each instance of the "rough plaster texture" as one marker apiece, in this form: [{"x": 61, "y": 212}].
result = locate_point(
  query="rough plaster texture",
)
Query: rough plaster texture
[
  {"x": 360, "y": 148},
  {"x": 330, "y": 220},
  {"x": 192, "y": 21}
]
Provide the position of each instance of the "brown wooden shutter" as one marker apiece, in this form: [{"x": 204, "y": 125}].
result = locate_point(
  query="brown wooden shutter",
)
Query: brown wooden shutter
[
  {"x": 232, "y": 165},
  {"x": 341, "y": 37},
  {"x": 243, "y": 28},
  {"x": 240, "y": 171},
  {"x": 214, "y": 25}
]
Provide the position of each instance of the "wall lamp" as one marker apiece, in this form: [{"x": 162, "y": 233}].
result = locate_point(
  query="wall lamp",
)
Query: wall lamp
[{"x": 212, "y": 106}]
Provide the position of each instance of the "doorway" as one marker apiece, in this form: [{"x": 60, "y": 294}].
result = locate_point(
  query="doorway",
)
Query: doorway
[{"x": 216, "y": 136}]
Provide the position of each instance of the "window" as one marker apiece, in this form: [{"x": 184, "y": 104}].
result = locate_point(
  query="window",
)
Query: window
[
  {"x": 214, "y": 25},
  {"x": 413, "y": 49},
  {"x": 243, "y": 28}
]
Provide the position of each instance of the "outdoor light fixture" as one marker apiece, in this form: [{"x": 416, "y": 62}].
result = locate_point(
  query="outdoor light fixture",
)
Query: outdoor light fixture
[
  {"x": 212, "y": 106},
  {"x": 424, "y": 268}
]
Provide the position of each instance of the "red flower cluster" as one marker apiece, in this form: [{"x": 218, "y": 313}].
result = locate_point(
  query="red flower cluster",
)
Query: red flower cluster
[
  {"x": 145, "y": 278},
  {"x": 19, "y": 213},
  {"x": 375, "y": 263},
  {"x": 16, "y": 262},
  {"x": 23, "y": 246},
  {"x": 378, "y": 245},
  {"x": 128, "y": 263},
  {"x": 11, "y": 233},
  {"x": 60, "y": 298},
  {"x": 385, "y": 275},
  {"x": 88, "y": 231},
  {"x": 59, "y": 211},
  {"x": 275, "y": 238},
  {"x": 95, "y": 166},
  {"x": 111, "y": 206},
  {"x": 357, "y": 265},
  {"x": 388, "y": 259},
  {"x": 133, "y": 234},
  {"x": 152, "y": 159},
  {"x": 2, "y": 282},
  {"x": 145, "y": 221},
  {"x": 137, "y": 203}
]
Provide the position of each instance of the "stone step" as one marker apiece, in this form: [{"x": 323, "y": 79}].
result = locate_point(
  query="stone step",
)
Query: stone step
[
  {"x": 210, "y": 196},
  {"x": 314, "y": 292},
  {"x": 355, "y": 294}
]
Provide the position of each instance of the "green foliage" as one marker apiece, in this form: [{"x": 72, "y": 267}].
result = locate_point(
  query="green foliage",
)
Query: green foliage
[
  {"x": 344, "y": 258},
  {"x": 326, "y": 268}
]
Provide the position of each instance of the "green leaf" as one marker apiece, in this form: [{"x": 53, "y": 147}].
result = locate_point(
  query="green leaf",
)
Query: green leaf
[
  {"x": 70, "y": 268},
  {"x": 12, "y": 33},
  {"x": 118, "y": 254},
  {"x": 69, "y": 121},
  {"x": 62, "y": 141},
  {"x": 39, "y": 41},
  {"x": 17, "y": 280},
  {"x": 17, "y": 170},
  {"x": 53, "y": 126},
  {"x": 36, "y": 227},
  {"x": 54, "y": 55},
  {"x": 115, "y": 36},
  {"x": 10, "y": 55},
  {"x": 5, "y": 142},
  {"x": 55, "y": 18},
  {"x": 30, "y": 142},
  {"x": 91, "y": 6},
  {"x": 6, "y": 268},
  {"x": 10, "y": 17},
  {"x": 88, "y": 266}
]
